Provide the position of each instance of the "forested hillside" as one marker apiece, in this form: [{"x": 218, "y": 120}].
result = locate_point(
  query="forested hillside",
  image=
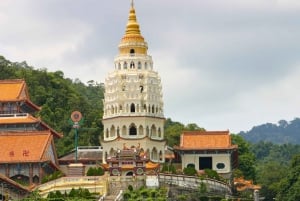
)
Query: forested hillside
[
  {"x": 281, "y": 133},
  {"x": 59, "y": 96}
]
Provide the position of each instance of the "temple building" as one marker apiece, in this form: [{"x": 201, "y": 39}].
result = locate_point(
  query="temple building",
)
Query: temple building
[
  {"x": 208, "y": 150},
  {"x": 27, "y": 144},
  {"x": 133, "y": 106}
]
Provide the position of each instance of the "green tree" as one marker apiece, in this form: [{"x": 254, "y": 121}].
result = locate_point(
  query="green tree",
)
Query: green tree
[
  {"x": 269, "y": 175},
  {"x": 173, "y": 131},
  {"x": 289, "y": 187},
  {"x": 190, "y": 171},
  {"x": 246, "y": 157}
]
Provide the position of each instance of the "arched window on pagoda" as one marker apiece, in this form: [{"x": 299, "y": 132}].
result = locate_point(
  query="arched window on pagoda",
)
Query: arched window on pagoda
[
  {"x": 112, "y": 109},
  {"x": 132, "y": 129},
  {"x": 132, "y": 108},
  {"x": 132, "y": 52},
  {"x": 132, "y": 65},
  {"x": 160, "y": 156},
  {"x": 118, "y": 131},
  {"x": 106, "y": 133},
  {"x": 153, "y": 131},
  {"x": 112, "y": 131},
  {"x": 124, "y": 130},
  {"x": 147, "y": 153},
  {"x": 141, "y": 130},
  {"x": 154, "y": 154},
  {"x": 147, "y": 131}
]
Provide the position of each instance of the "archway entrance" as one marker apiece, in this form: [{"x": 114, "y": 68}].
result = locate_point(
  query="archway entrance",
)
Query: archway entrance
[{"x": 130, "y": 173}]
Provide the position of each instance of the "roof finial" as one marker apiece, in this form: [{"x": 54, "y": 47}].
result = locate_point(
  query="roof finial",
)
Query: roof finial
[{"x": 132, "y": 4}]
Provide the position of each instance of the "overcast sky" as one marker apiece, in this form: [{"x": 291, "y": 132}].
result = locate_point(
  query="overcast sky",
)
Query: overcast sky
[{"x": 224, "y": 64}]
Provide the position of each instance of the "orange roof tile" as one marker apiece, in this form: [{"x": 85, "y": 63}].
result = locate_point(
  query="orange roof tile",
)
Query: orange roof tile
[
  {"x": 18, "y": 147},
  {"x": 241, "y": 184},
  {"x": 13, "y": 90},
  {"x": 205, "y": 140}
]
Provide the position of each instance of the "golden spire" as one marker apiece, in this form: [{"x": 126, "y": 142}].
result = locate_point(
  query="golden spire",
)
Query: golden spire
[
  {"x": 132, "y": 39},
  {"x": 132, "y": 25}
]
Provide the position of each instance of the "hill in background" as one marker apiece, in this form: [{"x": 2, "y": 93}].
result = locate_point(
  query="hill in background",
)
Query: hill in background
[{"x": 282, "y": 133}]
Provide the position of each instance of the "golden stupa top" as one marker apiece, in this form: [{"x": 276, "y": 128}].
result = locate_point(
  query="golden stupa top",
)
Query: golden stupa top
[
  {"x": 132, "y": 38},
  {"x": 132, "y": 25}
]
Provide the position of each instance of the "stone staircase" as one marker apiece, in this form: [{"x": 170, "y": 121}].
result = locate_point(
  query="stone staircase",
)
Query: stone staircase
[{"x": 114, "y": 190}]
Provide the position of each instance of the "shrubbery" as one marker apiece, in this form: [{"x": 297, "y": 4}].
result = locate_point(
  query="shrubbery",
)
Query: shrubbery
[
  {"x": 144, "y": 194},
  {"x": 95, "y": 171},
  {"x": 168, "y": 168},
  {"x": 190, "y": 171},
  {"x": 55, "y": 175},
  {"x": 75, "y": 194}
]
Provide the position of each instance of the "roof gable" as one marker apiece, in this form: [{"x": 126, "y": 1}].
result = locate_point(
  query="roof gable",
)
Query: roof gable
[
  {"x": 13, "y": 90},
  {"x": 20, "y": 147},
  {"x": 16, "y": 91}
]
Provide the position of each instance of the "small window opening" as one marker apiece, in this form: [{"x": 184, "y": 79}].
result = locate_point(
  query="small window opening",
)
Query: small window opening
[
  {"x": 132, "y": 107},
  {"x": 132, "y": 52},
  {"x": 132, "y": 130},
  {"x": 131, "y": 65}
]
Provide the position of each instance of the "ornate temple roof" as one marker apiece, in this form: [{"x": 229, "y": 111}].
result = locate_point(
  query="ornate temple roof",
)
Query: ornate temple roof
[
  {"x": 241, "y": 184},
  {"x": 15, "y": 91},
  {"x": 205, "y": 140},
  {"x": 16, "y": 147}
]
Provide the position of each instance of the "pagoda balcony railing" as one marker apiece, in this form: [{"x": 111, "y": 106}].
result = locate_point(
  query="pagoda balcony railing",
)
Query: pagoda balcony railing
[
  {"x": 142, "y": 114},
  {"x": 4, "y": 114},
  {"x": 120, "y": 57}
]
